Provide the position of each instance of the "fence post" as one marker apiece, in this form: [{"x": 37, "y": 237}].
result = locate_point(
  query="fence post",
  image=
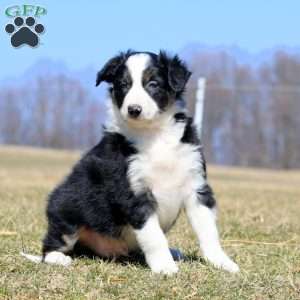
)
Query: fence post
[{"x": 198, "y": 117}]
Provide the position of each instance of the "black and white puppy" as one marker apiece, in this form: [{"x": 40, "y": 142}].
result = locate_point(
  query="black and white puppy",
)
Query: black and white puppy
[{"x": 128, "y": 191}]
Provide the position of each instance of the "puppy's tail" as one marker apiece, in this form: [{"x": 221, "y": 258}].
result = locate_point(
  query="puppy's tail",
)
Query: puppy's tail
[{"x": 35, "y": 258}]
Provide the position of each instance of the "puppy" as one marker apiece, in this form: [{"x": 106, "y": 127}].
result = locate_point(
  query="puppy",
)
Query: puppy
[{"x": 127, "y": 191}]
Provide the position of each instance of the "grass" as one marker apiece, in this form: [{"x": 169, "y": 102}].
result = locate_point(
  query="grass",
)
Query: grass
[{"x": 259, "y": 221}]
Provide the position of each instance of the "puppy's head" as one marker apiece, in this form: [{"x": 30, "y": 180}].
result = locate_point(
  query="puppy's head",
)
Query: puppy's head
[{"x": 144, "y": 85}]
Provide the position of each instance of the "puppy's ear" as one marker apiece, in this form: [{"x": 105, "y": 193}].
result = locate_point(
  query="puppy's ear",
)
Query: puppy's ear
[
  {"x": 108, "y": 72},
  {"x": 177, "y": 72}
]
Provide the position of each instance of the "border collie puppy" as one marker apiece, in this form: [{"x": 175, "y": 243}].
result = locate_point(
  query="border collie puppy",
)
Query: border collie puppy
[{"x": 127, "y": 192}]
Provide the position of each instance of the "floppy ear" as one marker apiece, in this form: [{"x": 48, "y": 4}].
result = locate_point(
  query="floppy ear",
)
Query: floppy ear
[
  {"x": 178, "y": 73},
  {"x": 108, "y": 72}
]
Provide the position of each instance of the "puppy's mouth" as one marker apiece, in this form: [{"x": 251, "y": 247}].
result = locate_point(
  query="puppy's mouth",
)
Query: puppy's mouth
[
  {"x": 144, "y": 119},
  {"x": 135, "y": 116},
  {"x": 140, "y": 121}
]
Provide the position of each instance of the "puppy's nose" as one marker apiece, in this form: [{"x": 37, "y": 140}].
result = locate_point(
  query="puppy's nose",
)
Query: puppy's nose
[{"x": 134, "y": 110}]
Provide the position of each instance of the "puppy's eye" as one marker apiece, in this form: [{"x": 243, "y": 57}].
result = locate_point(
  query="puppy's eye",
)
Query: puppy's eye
[
  {"x": 153, "y": 84},
  {"x": 124, "y": 84}
]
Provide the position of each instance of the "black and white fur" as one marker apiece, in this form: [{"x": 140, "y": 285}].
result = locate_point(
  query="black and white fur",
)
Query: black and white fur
[{"x": 149, "y": 165}]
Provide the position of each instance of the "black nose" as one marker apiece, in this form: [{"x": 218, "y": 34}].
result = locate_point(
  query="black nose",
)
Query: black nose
[{"x": 134, "y": 110}]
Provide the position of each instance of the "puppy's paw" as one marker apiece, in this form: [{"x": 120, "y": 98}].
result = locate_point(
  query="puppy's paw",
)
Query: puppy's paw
[
  {"x": 58, "y": 258},
  {"x": 166, "y": 269},
  {"x": 222, "y": 261},
  {"x": 162, "y": 263}
]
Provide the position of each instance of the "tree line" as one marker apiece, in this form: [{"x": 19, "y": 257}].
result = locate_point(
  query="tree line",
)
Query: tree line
[
  {"x": 56, "y": 112},
  {"x": 251, "y": 113}
]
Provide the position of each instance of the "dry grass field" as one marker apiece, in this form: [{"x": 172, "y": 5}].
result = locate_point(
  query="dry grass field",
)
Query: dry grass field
[{"x": 259, "y": 221}]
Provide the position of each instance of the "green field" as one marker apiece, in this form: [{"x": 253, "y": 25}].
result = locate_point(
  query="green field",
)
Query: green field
[{"x": 259, "y": 221}]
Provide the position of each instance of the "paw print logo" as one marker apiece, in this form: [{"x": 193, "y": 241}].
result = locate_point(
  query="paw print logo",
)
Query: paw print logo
[{"x": 24, "y": 33}]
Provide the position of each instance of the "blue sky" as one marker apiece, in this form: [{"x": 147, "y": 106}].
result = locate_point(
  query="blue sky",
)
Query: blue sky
[{"x": 83, "y": 33}]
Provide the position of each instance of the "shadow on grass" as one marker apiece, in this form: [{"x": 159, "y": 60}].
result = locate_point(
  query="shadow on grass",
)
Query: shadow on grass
[{"x": 135, "y": 258}]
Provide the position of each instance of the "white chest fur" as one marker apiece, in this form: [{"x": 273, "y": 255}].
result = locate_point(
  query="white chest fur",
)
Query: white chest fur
[{"x": 170, "y": 169}]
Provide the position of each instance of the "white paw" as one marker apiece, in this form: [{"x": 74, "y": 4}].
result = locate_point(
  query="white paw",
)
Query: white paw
[
  {"x": 167, "y": 269},
  {"x": 222, "y": 261},
  {"x": 58, "y": 258},
  {"x": 162, "y": 263}
]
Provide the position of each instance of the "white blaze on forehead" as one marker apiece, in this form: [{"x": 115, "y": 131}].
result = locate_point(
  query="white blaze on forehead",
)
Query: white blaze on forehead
[
  {"x": 136, "y": 65},
  {"x": 137, "y": 95}
]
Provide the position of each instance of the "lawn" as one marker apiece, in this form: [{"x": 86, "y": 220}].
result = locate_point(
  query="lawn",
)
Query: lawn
[{"x": 259, "y": 221}]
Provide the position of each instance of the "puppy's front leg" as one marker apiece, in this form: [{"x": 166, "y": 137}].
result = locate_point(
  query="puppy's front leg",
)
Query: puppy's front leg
[
  {"x": 154, "y": 244},
  {"x": 199, "y": 209}
]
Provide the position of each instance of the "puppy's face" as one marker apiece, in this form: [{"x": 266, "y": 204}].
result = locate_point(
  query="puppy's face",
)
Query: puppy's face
[{"x": 144, "y": 85}]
